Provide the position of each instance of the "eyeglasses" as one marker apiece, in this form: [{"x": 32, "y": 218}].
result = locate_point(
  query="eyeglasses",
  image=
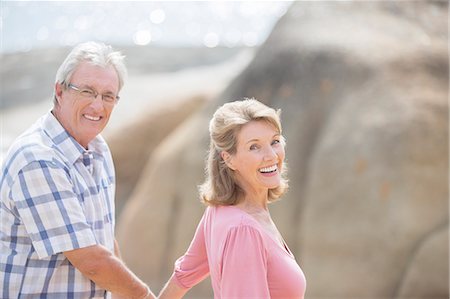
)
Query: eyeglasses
[{"x": 87, "y": 93}]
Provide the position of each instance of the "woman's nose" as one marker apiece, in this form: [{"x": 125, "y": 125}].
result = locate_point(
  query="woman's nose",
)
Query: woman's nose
[{"x": 270, "y": 154}]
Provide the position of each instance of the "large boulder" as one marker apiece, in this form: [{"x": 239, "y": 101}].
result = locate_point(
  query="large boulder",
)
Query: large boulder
[
  {"x": 132, "y": 145},
  {"x": 363, "y": 89}
]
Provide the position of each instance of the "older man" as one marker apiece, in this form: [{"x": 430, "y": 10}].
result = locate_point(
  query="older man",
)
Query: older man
[{"x": 57, "y": 191}]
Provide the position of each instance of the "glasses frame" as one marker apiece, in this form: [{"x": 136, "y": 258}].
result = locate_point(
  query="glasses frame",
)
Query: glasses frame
[{"x": 92, "y": 94}]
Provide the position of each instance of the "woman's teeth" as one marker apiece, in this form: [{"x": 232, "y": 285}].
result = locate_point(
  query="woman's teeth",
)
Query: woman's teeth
[{"x": 269, "y": 169}]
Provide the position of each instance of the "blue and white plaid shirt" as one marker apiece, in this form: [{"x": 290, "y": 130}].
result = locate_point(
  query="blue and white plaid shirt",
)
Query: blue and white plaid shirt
[{"x": 55, "y": 196}]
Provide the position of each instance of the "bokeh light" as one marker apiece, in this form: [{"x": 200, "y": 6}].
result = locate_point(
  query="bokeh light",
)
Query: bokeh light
[
  {"x": 142, "y": 37},
  {"x": 167, "y": 24},
  {"x": 211, "y": 40},
  {"x": 157, "y": 16}
]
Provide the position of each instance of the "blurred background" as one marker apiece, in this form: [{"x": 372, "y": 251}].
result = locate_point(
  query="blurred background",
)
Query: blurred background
[
  {"x": 363, "y": 89},
  {"x": 157, "y": 37}
]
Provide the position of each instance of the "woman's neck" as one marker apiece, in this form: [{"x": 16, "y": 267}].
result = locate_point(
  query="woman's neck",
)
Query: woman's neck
[{"x": 254, "y": 205}]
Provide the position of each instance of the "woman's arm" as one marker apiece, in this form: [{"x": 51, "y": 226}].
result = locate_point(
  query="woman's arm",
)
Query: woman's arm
[
  {"x": 172, "y": 290},
  {"x": 190, "y": 269}
]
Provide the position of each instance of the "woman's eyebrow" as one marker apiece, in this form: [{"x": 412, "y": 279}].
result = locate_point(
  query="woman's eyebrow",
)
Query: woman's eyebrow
[{"x": 256, "y": 139}]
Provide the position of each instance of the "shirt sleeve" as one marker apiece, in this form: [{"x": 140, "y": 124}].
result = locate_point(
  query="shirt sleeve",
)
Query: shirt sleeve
[
  {"x": 50, "y": 209},
  {"x": 244, "y": 264},
  {"x": 192, "y": 267}
]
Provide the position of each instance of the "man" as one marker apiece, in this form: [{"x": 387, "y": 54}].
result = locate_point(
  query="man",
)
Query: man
[{"x": 57, "y": 191}]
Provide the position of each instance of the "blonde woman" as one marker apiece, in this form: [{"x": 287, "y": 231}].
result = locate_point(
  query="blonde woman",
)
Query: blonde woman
[{"x": 236, "y": 242}]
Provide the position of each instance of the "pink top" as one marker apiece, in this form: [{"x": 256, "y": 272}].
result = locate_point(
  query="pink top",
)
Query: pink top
[{"x": 243, "y": 260}]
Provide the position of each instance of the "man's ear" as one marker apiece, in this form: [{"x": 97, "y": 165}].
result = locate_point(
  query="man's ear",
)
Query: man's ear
[
  {"x": 58, "y": 91},
  {"x": 228, "y": 159}
]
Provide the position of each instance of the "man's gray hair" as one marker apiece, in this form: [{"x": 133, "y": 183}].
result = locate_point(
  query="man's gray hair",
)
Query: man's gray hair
[{"x": 97, "y": 54}]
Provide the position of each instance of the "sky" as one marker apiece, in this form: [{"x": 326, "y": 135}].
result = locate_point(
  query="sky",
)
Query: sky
[{"x": 27, "y": 25}]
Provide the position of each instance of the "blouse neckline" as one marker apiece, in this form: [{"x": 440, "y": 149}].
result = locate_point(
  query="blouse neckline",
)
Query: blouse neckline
[{"x": 280, "y": 243}]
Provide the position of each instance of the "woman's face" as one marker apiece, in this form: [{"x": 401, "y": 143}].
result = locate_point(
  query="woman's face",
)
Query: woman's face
[{"x": 259, "y": 157}]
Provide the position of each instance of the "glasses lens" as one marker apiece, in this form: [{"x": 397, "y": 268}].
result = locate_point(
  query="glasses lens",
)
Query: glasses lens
[
  {"x": 90, "y": 94},
  {"x": 109, "y": 98},
  {"x": 87, "y": 93}
]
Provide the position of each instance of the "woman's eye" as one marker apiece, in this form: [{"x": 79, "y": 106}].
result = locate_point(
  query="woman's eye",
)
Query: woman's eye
[
  {"x": 253, "y": 147},
  {"x": 276, "y": 141}
]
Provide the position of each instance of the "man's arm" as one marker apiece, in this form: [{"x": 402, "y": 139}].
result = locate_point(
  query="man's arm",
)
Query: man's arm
[
  {"x": 105, "y": 269},
  {"x": 117, "y": 250}
]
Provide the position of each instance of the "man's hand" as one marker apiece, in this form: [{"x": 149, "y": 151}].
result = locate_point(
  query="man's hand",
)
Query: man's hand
[{"x": 105, "y": 269}]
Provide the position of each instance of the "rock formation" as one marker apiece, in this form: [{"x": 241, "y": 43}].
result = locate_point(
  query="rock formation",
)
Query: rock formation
[
  {"x": 363, "y": 89},
  {"x": 132, "y": 145}
]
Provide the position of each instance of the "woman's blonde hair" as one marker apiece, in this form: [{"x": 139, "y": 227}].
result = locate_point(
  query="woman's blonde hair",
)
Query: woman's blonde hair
[{"x": 220, "y": 186}]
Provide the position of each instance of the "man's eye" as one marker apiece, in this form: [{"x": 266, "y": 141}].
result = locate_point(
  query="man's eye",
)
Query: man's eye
[
  {"x": 108, "y": 98},
  {"x": 87, "y": 93}
]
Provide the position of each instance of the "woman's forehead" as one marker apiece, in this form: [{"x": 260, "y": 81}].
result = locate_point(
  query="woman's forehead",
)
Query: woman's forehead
[{"x": 257, "y": 130}]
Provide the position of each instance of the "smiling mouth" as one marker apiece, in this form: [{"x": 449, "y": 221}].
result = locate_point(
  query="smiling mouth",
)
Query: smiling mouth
[
  {"x": 269, "y": 169},
  {"x": 93, "y": 118}
]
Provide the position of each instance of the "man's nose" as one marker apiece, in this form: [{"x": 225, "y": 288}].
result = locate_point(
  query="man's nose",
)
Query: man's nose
[{"x": 97, "y": 102}]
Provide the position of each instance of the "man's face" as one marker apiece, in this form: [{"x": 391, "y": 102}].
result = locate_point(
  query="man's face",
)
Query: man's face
[{"x": 82, "y": 116}]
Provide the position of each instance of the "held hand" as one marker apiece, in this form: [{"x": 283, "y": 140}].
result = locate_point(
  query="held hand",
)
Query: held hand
[
  {"x": 101, "y": 266},
  {"x": 149, "y": 294}
]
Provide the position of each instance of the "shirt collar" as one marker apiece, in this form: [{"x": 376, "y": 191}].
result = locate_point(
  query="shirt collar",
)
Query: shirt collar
[{"x": 66, "y": 143}]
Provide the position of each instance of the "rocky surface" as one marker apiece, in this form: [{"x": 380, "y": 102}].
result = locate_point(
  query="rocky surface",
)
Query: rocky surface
[
  {"x": 363, "y": 87},
  {"x": 133, "y": 144}
]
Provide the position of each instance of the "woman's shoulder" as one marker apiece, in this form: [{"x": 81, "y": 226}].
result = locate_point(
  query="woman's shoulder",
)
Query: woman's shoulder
[
  {"x": 234, "y": 226},
  {"x": 231, "y": 217}
]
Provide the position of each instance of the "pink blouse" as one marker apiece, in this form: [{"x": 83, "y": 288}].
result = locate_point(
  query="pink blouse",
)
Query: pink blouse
[{"x": 243, "y": 260}]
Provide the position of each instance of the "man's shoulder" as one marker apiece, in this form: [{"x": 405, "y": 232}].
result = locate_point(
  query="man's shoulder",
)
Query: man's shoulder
[{"x": 31, "y": 146}]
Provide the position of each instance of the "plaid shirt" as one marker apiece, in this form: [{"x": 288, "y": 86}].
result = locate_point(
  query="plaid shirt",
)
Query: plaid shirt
[{"x": 55, "y": 196}]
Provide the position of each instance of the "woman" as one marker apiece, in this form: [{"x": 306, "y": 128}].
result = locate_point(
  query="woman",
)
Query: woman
[{"x": 237, "y": 242}]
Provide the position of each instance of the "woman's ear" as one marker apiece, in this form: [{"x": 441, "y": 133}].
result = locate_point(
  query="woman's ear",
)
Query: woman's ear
[{"x": 228, "y": 159}]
